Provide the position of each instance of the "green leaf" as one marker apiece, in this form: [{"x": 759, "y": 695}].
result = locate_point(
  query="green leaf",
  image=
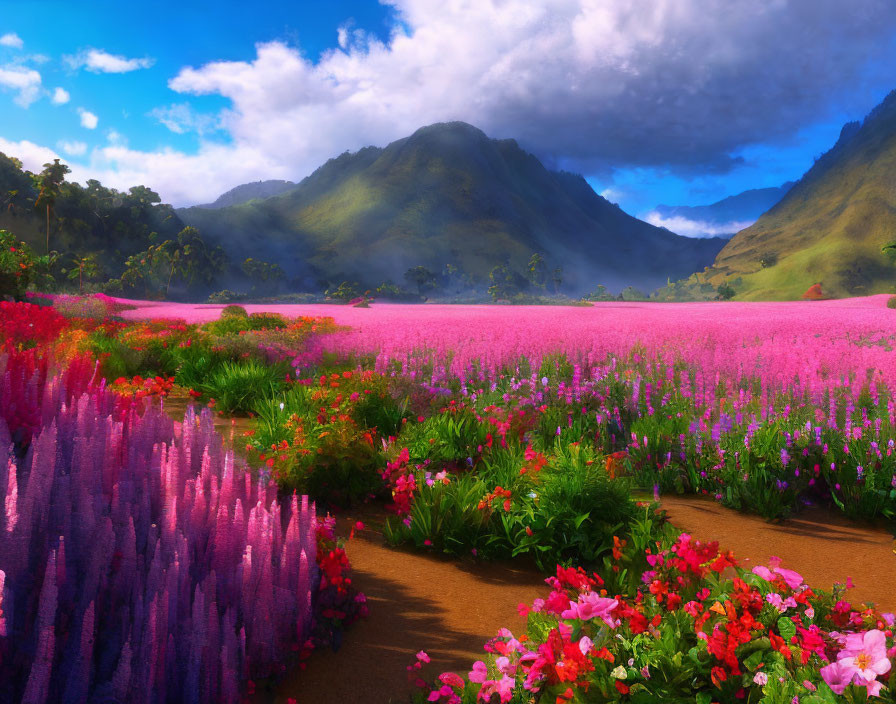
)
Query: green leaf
[{"x": 786, "y": 628}]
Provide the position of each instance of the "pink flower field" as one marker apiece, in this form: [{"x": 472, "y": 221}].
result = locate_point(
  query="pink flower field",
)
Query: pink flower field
[{"x": 803, "y": 342}]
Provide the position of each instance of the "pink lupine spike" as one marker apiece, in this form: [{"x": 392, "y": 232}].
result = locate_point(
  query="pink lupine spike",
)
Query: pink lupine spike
[
  {"x": 12, "y": 497},
  {"x": 121, "y": 680},
  {"x": 151, "y": 528},
  {"x": 38, "y": 686},
  {"x": 3, "y": 627}
]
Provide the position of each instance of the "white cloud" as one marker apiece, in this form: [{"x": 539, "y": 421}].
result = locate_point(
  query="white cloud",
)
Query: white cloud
[
  {"x": 180, "y": 118},
  {"x": 612, "y": 194},
  {"x": 11, "y": 40},
  {"x": 32, "y": 156},
  {"x": 99, "y": 61},
  {"x": 24, "y": 81},
  {"x": 60, "y": 96},
  {"x": 584, "y": 84},
  {"x": 696, "y": 228},
  {"x": 72, "y": 148},
  {"x": 114, "y": 137},
  {"x": 88, "y": 119}
]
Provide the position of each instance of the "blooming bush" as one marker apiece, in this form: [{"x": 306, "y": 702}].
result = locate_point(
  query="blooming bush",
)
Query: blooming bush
[
  {"x": 24, "y": 325},
  {"x": 678, "y": 620}
]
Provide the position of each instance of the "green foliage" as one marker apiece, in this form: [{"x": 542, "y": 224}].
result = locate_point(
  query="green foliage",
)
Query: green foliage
[
  {"x": 16, "y": 266},
  {"x": 226, "y": 296},
  {"x": 566, "y": 512},
  {"x": 630, "y": 293},
  {"x": 768, "y": 259},
  {"x": 346, "y": 291},
  {"x": 237, "y": 387},
  {"x": 891, "y": 302},
  {"x": 576, "y": 511},
  {"x": 85, "y": 267},
  {"x": 265, "y": 277},
  {"x": 391, "y": 292},
  {"x": 725, "y": 292},
  {"x": 422, "y": 278},
  {"x": 537, "y": 270},
  {"x": 600, "y": 294},
  {"x": 234, "y": 320},
  {"x": 505, "y": 282}
]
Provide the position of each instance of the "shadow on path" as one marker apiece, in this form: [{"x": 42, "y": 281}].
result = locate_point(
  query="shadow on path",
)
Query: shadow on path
[
  {"x": 823, "y": 546},
  {"x": 417, "y": 602}
]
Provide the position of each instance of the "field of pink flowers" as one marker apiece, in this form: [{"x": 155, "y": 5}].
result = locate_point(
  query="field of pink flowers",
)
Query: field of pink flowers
[{"x": 811, "y": 343}]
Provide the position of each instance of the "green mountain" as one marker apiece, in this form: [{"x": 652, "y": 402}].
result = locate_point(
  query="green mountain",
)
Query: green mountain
[
  {"x": 449, "y": 195},
  {"x": 250, "y": 191},
  {"x": 831, "y": 225}
]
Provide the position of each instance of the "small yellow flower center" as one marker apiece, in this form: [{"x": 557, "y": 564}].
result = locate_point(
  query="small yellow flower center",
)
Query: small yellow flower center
[{"x": 863, "y": 660}]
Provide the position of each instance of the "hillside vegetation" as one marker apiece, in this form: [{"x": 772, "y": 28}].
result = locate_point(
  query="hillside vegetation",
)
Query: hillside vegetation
[
  {"x": 449, "y": 195},
  {"x": 830, "y": 228}
]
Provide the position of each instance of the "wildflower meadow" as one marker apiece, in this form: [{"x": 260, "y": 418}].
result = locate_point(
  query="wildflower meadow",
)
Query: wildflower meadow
[{"x": 146, "y": 557}]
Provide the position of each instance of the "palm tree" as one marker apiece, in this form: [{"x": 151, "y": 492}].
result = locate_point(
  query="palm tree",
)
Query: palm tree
[
  {"x": 85, "y": 267},
  {"x": 49, "y": 181}
]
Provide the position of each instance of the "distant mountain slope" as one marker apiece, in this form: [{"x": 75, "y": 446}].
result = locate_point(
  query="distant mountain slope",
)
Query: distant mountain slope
[
  {"x": 250, "y": 191},
  {"x": 830, "y": 227},
  {"x": 449, "y": 195},
  {"x": 723, "y": 218}
]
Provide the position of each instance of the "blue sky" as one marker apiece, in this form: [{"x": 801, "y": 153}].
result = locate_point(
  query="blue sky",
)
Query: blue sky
[{"x": 679, "y": 103}]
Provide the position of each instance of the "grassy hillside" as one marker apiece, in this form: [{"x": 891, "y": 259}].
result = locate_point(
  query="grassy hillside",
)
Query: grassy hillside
[
  {"x": 449, "y": 195},
  {"x": 830, "y": 227}
]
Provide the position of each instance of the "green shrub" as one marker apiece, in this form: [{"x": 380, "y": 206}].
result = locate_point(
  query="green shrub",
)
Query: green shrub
[
  {"x": 234, "y": 311},
  {"x": 891, "y": 303},
  {"x": 576, "y": 511},
  {"x": 234, "y": 320},
  {"x": 226, "y": 296},
  {"x": 237, "y": 387}
]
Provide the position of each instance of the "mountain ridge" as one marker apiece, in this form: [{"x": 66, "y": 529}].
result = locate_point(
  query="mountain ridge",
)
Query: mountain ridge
[
  {"x": 448, "y": 194},
  {"x": 831, "y": 225}
]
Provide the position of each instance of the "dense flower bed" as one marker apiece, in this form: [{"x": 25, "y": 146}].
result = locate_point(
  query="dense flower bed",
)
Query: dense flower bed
[
  {"x": 116, "y": 536},
  {"x": 139, "y": 561},
  {"x": 677, "y": 620}
]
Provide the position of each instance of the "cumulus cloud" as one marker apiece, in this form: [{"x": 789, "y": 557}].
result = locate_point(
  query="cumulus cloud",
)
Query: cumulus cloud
[
  {"x": 585, "y": 84},
  {"x": 88, "y": 119},
  {"x": 696, "y": 228},
  {"x": 99, "y": 61},
  {"x": 33, "y": 156},
  {"x": 24, "y": 82},
  {"x": 72, "y": 148},
  {"x": 11, "y": 40},
  {"x": 60, "y": 96}
]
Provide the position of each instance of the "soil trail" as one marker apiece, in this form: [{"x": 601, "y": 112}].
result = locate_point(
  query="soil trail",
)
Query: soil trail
[
  {"x": 821, "y": 545},
  {"x": 449, "y": 608}
]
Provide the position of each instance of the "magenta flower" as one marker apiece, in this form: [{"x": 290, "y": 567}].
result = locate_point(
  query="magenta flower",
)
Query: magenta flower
[
  {"x": 479, "y": 673},
  {"x": 591, "y": 606},
  {"x": 837, "y": 676},
  {"x": 503, "y": 688},
  {"x": 866, "y": 655}
]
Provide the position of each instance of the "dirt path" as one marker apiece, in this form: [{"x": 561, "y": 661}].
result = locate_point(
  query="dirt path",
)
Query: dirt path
[
  {"x": 821, "y": 545},
  {"x": 449, "y": 608}
]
